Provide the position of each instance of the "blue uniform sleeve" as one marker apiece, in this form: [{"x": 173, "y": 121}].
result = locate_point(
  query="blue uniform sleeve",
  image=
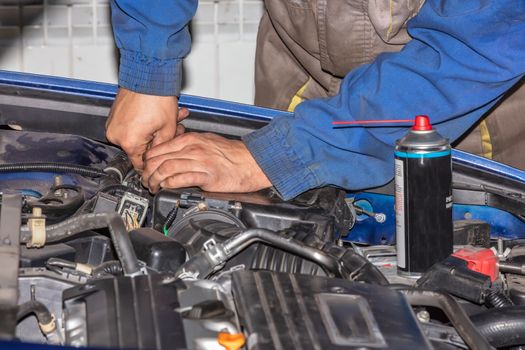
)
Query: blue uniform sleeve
[
  {"x": 153, "y": 38},
  {"x": 463, "y": 57}
]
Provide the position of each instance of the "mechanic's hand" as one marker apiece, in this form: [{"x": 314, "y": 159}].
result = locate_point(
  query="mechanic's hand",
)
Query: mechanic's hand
[
  {"x": 138, "y": 121},
  {"x": 209, "y": 161}
]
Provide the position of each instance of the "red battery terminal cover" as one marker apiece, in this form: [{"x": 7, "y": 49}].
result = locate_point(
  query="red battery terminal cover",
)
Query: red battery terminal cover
[{"x": 481, "y": 260}]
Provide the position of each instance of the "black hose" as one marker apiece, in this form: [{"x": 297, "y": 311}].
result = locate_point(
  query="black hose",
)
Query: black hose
[
  {"x": 349, "y": 266},
  {"x": 496, "y": 299},
  {"x": 61, "y": 263},
  {"x": 52, "y": 167},
  {"x": 110, "y": 267},
  {"x": 116, "y": 170},
  {"x": 503, "y": 327},
  {"x": 455, "y": 313},
  {"x": 241, "y": 241},
  {"x": 518, "y": 269},
  {"x": 361, "y": 270},
  {"x": 210, "y": 260},
  {"x": 118, "y": 167},
  {"x": 85, "y": 222},
  {"x": 41, "y": 312}
]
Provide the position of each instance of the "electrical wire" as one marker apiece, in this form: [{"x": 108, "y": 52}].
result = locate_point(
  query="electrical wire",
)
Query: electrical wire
[
  {"x": 172, "y": 215},
  {"x": 52, "y": 167}
]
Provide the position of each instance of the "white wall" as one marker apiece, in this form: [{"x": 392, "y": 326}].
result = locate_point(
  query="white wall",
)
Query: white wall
[{"x": 73, "y": 38}]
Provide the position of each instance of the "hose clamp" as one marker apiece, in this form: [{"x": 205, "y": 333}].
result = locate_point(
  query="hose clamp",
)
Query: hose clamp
[
  {"x": 84, "y": 268},
  {"x": 48, "y": 327},
  {"x": 215, "y": 253}
]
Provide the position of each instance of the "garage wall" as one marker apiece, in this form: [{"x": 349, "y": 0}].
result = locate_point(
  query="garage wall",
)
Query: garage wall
[{"x": 73, "y": 38}]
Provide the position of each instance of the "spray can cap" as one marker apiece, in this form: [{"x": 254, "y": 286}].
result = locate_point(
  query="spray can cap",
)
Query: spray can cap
[{"x": 422, "y": 123}]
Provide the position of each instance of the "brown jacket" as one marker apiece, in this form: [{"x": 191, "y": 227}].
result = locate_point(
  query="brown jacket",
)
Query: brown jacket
[{"x": 306, "y": 47}]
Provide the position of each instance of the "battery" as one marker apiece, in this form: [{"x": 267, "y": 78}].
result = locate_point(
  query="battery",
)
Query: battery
[{"x": 423, "y": 198}]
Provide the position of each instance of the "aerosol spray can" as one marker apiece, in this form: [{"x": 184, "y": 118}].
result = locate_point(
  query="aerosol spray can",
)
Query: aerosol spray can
[{"x": 423, "y": 195}]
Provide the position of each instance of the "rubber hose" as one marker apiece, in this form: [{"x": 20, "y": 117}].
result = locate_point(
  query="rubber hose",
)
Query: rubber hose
[
  {"x": 203, "y": 264},
  {"x": 361, "y": 270},
  {"x": 503, "y": 327},
  {"x": 118, "y": 167},
  {"x": 496, "y": 299},
  {"x": 350, "y": 266},
  {"x": 85, "y": 222},
  {"x": 34, "y": 307},
  {"x": 56, "y": 262},
  {"x": 110, "y": 267},
  {"x": 242, "y": 240},
  {"x": 52, "y": 167}
]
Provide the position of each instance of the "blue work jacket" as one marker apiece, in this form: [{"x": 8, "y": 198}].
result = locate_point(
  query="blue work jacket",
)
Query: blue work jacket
[{"x": 463, "y": 56}]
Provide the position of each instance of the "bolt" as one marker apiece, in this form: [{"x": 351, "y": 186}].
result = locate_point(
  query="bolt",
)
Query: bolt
[
  {"x": 423, "y": 316},
  {"x": 500, "y": 246},
  {"x": 57, "y": 181},
  {"x": 501, "y": 251},
  {"x": 202, "y": 206},
  {"x": 380, "y": 217}
]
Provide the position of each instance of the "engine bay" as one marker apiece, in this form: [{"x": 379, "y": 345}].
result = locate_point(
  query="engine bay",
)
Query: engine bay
[
  {"x": 96, "y": 261},
  {"x": 91, "y": 259}
]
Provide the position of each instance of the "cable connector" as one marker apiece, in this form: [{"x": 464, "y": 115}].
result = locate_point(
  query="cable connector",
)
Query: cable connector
[{"x": 37, "y": 225}]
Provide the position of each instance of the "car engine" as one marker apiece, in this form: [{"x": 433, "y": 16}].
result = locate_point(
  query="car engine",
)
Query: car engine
[{"x": 91, "y": 259}]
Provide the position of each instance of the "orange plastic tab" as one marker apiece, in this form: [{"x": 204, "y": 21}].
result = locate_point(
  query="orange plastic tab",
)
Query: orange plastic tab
[{"x": 231, "y": 341}]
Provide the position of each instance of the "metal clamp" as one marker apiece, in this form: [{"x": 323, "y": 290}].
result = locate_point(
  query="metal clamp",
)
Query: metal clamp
[{"x": 48, "y": 327}]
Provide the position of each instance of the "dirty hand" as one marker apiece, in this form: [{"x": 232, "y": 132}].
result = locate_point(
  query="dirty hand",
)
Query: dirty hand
[
  {"x": 208, "y": 161},
  {"x": 138, "y": 121}
]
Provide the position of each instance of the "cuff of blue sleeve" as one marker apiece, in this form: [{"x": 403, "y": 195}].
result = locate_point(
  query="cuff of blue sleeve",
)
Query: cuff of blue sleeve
[
  {"x": 281, "y": 164},
  {"x": 148, "y": 75}
]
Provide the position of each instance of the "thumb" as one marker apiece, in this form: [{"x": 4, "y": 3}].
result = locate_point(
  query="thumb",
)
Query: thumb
[
  {"x": 183, "y": 113},
  {"x": 164, "y": 134},
  {"x": 136, "y": 156}
]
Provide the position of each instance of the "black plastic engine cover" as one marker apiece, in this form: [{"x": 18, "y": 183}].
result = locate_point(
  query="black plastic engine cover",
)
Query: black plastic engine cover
[
  {"x": 284, "y": 311},
  {"x": 128, "y": 313},
  {"x": 322, "y": 212}
]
